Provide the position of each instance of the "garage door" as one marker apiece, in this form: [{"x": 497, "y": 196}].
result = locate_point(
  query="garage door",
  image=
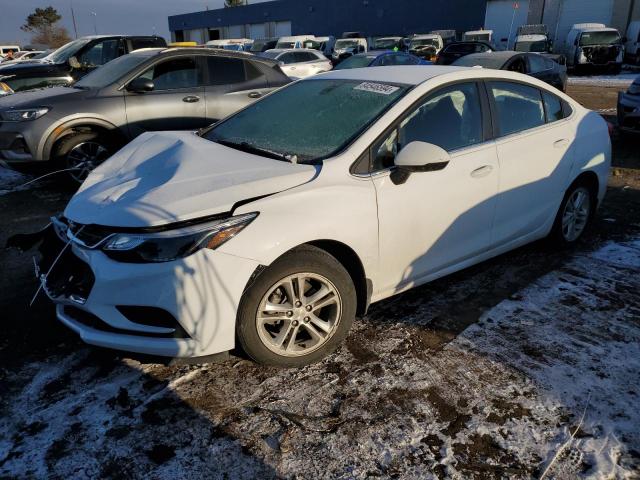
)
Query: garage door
[
  {"x": 504, "y": 17},
  {"x": 283, "y": 29},
  {"x": 257, "y": 30},
  {"x": 581, "y": 11},
  {"x": 236, "y": 31}
]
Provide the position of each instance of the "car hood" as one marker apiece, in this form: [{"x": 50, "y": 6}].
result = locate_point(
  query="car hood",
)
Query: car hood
[
  {"x": 40, "y": 97},
  {"x": 33, "y": 67},
  {"x": 169, "y": 177}
]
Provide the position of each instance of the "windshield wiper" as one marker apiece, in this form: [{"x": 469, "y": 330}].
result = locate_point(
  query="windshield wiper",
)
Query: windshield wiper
[{"x": 247, "y": 147}]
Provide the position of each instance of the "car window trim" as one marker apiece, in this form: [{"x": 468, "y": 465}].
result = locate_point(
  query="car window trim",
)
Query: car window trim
[{"x": 487, "y": 135}]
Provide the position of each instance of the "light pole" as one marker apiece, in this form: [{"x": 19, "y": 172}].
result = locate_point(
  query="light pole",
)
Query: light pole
[{"x": 95, "y": 27}]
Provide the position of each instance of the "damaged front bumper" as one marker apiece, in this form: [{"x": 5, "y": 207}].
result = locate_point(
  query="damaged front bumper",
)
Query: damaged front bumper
[{"x": 182, "y": 309}]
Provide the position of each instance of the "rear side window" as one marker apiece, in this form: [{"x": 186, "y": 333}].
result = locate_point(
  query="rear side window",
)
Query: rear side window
[
  {"x": 225, "y": 71},
  {"x": 555, "y": 108},
  {"x": 519, "y": 107}
]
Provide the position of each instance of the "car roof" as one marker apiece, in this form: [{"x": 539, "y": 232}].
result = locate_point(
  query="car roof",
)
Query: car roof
[
  {"x": 150, "y": 52},
  {"x": 408, "y": 75}
]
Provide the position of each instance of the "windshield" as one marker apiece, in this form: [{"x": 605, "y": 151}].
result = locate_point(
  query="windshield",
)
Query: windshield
[
  {"x": 539, "y": 46},
  {"x": 354, "y": 62},
  {"x": 599, "y": 38},
  {"x": 345, "y": 44},
  {"x": 111, "y": 72},
  {"x": 423, "y": 42},
  {"x": 67, "y": 51},
  {"x": 385, "y": 43},
  {"x": 286, "y": 45},
  {"x": 477, "y": 37},
  {"x": 341, "y": 110}
]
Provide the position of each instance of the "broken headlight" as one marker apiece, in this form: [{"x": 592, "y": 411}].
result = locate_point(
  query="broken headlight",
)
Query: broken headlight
[{"x": 173, "y": 244}]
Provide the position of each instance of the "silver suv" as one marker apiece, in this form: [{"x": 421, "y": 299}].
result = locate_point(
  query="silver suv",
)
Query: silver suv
[{"x": 79, "y": 126}]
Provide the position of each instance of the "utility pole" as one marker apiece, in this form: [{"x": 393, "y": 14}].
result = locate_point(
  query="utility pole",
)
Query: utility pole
[
  {"x": 73, "y": 17},
  {"x": 95, "y": 25}
]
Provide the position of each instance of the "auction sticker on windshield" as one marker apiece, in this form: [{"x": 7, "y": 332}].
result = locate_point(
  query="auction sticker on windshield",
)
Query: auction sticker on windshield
[{"x": 377, "y": 88}]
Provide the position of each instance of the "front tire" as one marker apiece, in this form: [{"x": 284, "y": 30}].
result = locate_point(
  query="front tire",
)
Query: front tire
[
  {"x": 82, "y": 152},
  {"x": 298, "y": 310},
  {"x": 575, "y": 214}
]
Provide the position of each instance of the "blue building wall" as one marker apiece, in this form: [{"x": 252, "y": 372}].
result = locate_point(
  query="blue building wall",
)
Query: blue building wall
[{"x": 332, "y": 17}]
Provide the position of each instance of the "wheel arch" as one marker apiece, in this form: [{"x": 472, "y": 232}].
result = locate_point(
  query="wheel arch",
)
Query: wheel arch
[
  {"x": 591, "y": 181},
  {"x": 79, "y": 125},
  {"x": 348, "y": 258}
]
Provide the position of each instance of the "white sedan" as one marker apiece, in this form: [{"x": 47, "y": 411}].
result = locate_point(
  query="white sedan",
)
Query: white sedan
[
  {"x": 299, "y": 62},
  {"x": 278, "y": 225}
]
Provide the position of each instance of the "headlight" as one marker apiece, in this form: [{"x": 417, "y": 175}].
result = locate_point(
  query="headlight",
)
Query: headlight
[
  {"x": 25, "y": 115},
  {"x": 173, "y": 244}
]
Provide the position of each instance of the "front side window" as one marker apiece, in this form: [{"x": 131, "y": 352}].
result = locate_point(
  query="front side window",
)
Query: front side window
[
  {"x": 101, "y": 53},
  {"x": 342, "y": 109},
  {"x": 519, "y": 107},
  {"x": 288, "y": 58},
  {"x": 450, "y": 118},
  {"x": 225, "y": 71},
  {"x": 356, "y": 61},
  {"x": 176, "y": 73}
]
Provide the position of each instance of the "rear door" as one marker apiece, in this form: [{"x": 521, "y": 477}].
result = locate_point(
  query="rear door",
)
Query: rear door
[
  {"x": 535, "y": 152},
  {"x": 176, "y": 102},
  {"x": 231, "y": 84}
]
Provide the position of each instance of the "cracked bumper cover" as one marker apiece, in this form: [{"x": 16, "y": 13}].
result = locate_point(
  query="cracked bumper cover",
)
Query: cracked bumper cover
[{"x": 201, "y": 292}]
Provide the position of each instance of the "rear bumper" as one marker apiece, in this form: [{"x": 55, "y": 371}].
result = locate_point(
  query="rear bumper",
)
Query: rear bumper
[{"x": 628, "y": 114}]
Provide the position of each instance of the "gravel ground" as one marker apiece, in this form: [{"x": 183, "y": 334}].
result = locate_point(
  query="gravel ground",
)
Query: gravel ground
[{"x": 523, "y": 366}]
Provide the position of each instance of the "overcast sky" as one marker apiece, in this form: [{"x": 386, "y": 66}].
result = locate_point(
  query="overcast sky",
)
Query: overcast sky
[{"x": 143, "y": 17}]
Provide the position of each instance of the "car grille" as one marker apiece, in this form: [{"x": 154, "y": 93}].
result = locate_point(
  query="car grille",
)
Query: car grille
[{"x": 63, "y": 274}]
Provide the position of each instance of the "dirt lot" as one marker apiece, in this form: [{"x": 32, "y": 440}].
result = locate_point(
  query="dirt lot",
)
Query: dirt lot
[{"x": 525, "y": 365}]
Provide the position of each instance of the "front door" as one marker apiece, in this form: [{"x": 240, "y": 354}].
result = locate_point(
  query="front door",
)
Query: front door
[
  {"x": 177, "y": 101},
  {"x": 441, "y": 218}
]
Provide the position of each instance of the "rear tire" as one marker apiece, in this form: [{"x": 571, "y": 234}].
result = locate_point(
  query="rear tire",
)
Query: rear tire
[
  {"x": 277, "y": 325},
  {"x": 574, "y": 215},
  {"x": 83, "y": 151}
]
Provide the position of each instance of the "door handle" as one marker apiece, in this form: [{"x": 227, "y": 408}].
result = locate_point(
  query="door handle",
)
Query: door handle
[
  {"x": 191, "y": 99},
  {"x": 255, "y": 95},
  {"x": 563, "y": 142},
  {"x": 482, "y": 171}
]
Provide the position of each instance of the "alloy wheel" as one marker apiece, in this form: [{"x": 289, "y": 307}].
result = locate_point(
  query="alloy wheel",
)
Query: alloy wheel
[
  {"x": 576, "y": 214},
  {"x": 298, "y": 314},
  {"x": 84, "y": 157}
]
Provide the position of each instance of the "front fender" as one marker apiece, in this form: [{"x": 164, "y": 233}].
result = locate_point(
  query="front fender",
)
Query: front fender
[
  {"x": 55, "y": 130},
  {"x": 344, "y": 212}
]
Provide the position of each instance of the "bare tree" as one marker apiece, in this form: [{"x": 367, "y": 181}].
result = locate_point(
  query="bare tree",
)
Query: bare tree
[
  {"x": 235, "y": 3},
  {"x": 42, "y": 25}
]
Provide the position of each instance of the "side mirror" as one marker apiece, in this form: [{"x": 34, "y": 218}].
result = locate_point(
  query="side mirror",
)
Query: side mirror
[
  {"x": 140, "y": 85},
  {"x": 418, "y": 157}
]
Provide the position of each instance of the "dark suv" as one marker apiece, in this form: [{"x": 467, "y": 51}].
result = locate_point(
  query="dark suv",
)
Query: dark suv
[
  {"x": 72, "y": 61},
  {"x": 79, "y": 126}
]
